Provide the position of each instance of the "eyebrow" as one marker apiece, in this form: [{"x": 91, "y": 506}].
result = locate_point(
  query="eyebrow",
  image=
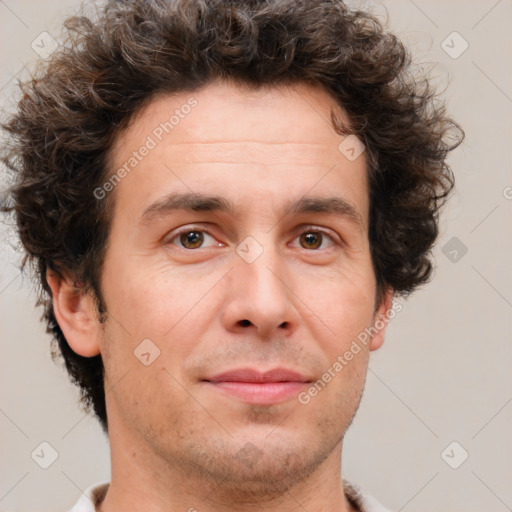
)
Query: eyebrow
[{"x": 196, "y": 202}]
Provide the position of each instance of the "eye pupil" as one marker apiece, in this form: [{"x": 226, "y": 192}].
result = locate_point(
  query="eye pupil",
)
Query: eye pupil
[
  {"x": 191, "y": 238},
  {"x": 311, "y": 238}
]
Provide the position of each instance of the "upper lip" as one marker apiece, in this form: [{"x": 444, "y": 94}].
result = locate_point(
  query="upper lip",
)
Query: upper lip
[{"x": 252, "y": 375}]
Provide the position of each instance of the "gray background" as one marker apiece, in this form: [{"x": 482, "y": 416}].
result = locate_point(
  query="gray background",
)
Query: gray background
[{"x": 443, "y": 374}]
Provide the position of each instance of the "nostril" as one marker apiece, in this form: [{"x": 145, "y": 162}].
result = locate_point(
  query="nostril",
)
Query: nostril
[{"x": 245, "y": 323}]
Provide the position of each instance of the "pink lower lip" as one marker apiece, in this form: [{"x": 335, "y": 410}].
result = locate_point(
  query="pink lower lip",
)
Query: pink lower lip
[{"x": 260, "y": 392}]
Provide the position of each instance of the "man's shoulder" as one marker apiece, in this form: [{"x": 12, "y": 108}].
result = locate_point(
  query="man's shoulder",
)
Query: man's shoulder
[
  {"x": 363, "y": 500},
  {"x": 93, "y": 495}
]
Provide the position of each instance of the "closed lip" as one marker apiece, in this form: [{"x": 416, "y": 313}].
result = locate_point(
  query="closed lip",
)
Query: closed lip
[{"x": 258, "y": 376}]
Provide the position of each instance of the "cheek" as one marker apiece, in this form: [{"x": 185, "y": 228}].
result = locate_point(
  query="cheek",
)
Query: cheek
[
  {"x": 158, "y": 311},
  {"x": 152, "y": 400},
  {"x": 341, "y": 302},
  {"x": 150, "y": 301}
]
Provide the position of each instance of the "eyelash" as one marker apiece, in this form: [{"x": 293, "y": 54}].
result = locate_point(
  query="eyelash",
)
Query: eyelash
[{"x": 307, "y": 229}]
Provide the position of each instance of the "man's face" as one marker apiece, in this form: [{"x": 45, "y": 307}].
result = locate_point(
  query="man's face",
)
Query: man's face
[{"x": 260, "y": 287}]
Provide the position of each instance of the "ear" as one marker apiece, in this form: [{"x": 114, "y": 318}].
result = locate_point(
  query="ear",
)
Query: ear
[
  {"x": 381, "y": 320},
  {"x": 76, "y": 314}
]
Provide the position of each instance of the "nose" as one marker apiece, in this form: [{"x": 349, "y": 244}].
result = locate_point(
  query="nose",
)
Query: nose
[{"x": 260, "y": 298}]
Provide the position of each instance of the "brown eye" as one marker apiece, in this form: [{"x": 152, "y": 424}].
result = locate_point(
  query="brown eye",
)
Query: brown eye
[
  {"x": 192, "y": 239},
  {"x": 311, "y": 239}
]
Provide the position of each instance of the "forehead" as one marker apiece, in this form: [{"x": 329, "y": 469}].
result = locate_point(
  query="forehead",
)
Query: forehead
[
  {"x": 224, "y": 138},
  {"x": 226, "y": 113}
]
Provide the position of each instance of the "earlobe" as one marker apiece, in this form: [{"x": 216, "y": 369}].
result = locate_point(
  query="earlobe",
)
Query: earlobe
[
  {"x": 381, "y": 320},
  {"x": 75, "y": 312}
]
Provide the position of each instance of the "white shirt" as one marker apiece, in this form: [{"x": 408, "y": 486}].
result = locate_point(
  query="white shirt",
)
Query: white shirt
[{"x": 96, "y": 492}]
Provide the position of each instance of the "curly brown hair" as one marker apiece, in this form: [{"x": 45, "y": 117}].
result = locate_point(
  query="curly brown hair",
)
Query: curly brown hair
[{"x": 111, "y": 65}]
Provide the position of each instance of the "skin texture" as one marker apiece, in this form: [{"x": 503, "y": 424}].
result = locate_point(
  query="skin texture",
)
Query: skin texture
[{"x": 177, "y": 442}]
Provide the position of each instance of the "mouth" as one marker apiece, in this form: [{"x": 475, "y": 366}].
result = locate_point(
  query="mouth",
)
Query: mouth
[{"x": 256, "y": 387}]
